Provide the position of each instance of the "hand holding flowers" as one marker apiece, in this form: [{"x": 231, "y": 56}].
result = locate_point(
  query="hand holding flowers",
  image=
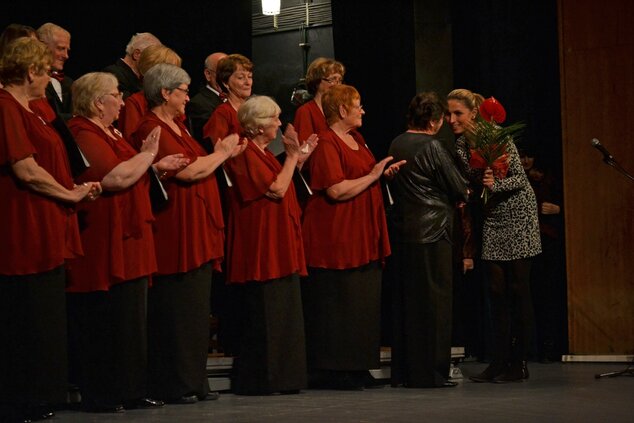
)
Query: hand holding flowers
[{"x": 489, "y": 143}]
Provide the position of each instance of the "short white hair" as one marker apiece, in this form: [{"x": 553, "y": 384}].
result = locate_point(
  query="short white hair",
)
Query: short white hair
[{"x": 140, "y": 41}]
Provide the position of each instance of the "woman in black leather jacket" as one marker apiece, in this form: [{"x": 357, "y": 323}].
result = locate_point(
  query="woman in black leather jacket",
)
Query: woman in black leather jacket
[{"x": 425, "y": 193}]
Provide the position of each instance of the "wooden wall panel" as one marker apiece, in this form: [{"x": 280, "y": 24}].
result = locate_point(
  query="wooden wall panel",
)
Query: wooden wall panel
[{"x": 597, "y": 95}]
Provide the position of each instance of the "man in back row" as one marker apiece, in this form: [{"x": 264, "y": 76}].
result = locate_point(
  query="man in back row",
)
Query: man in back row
[{"x": 126, "y": 69}]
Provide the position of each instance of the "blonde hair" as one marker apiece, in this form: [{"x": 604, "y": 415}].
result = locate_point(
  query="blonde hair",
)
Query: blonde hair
[
  {"x": 155, "y": 54},
  {"x": 256, "y": 112},
  {"x": 89, "y": 88},
  {"x": 471, "y": 100},
  {"x": 21, "y": 55}
]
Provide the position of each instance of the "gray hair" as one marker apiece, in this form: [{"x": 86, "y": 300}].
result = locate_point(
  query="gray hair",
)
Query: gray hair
[
  {"x": 257, "y": 112},
  {"x": 47, "y": 31},
  {"x": 140, "y": 41},
  {"x": 162, "y": 76}
]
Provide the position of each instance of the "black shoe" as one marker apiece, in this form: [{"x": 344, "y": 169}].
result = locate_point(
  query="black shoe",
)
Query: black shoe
[
  {"x": 289, "y": 392},
  {"x": 448, "y": 384},
  {"x": 211, "y": 396},
  {"x": 494, "y": 369},
  {"x": 142, "y": 403},
  {"x": 38, "y": 413},
  {"x": 185, "y": 399},
  {"x": 516, "y": 372},
  {"x": 102, "y": 408}
]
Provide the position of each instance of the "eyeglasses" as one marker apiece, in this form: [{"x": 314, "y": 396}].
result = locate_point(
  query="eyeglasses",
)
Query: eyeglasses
[
  {"x": 359, "y": 107},
  {"x": 185, "y": 90},
  {"x": 333, "y": 80},
  {"x": 117, "y": 95}
]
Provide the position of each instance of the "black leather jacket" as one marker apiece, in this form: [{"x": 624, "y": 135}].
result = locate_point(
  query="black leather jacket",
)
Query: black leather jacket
[{"x": 425, "y": 190}]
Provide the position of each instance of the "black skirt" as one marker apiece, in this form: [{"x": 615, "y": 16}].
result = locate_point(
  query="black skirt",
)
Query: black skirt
[
  {"x": 108, "y": 343},
  {"x": 178, "y": 334},
  {"x": 272, "y": 355},
  {"x": 342, "y": 314},
  {"x": 33, "y": 350}
]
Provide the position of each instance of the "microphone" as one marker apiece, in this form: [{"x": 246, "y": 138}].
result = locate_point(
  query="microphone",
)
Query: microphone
[{"x": 597, "y": 144}]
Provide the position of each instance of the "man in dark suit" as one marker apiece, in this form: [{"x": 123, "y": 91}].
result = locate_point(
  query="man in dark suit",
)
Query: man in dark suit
[
  {"x": 57, "y": 39},
  {"x": 126, "y": 69},
  {"x": 205, "y": 102}
]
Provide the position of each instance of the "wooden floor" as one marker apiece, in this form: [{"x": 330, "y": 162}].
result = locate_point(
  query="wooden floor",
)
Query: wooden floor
[{"x": 556, "y": 392}]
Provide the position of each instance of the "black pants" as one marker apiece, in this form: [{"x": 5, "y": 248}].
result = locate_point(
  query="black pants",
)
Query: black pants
[
  {"x": 421, "y": 310},
  {"x": 108, "y": 343},
  {"x": 511, "y": 308}
]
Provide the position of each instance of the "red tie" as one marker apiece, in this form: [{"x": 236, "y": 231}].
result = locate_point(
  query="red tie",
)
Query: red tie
[
  {"x": 59, "y": 75},
  {"x": 223, "y": 96}
]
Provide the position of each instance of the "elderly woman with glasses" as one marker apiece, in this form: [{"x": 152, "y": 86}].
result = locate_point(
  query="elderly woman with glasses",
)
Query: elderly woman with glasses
[
  {"x": 346, "y": 242},
  {"x": 107, "y": 288},
  {"x": 265, "y": 256},
  {"x": 39, "y": 232},
  {"x": 323, "y": 73},
  {"x": 189, "y": 242}
]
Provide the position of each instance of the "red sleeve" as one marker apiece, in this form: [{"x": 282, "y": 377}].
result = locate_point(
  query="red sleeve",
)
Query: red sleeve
[
  {"x": 130, "y": 117},
  {"x": 252, "y": 177},
  {"x": 99, "y": 154},
  {"x": 326, "y": 168},
  {"x": 302, "y": 123},
  {"x": 217, "y": 126},
  {"x": 14, "y": 141}
]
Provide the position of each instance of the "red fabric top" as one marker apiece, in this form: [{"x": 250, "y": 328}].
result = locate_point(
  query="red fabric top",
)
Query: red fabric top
[
  {"x": 116, "y": 229},
  {"x": 189, "y": 231},
  {"x": 309, "y": 120},
  {"x": 222, "y": 122},
  {"x": 131, "y": 114},
  {"x": 42, "y": 107},
  {"x": 264, "y": 238},
  {"x": 37, "y": 232},
  {"x": 343, "y": 234}
]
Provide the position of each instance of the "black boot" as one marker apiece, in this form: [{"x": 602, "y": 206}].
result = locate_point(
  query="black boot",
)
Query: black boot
[
  {"x": 494, "y": 369},
  {"x": 517, "y": 371}
]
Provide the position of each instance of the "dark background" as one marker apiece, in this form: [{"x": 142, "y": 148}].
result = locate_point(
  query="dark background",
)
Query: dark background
[{"x": 506, "y": 49}]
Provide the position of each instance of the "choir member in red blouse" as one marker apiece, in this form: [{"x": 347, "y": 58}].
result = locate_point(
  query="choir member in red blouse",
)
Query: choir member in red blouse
[
  {"x": 39, "y": 231},
  {"x": 107, "y": 288},
  {"x": 188, "y": 239},
  {"x": 265, "y": 256},
  {"x": 322, "y": 74},
  {"x": 136, "y": 105},
  {"x": 234, "y": 75},
  {"x": 346, "y": 241}
]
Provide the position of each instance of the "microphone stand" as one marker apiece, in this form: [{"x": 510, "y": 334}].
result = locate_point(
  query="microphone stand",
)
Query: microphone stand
[
  {"x": 609, "y": 160},
  {"x": 628, "y": 371}
]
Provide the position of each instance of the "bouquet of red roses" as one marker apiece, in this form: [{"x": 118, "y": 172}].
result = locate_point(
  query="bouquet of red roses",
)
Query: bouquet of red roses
[{"x": 489, "y": 140}]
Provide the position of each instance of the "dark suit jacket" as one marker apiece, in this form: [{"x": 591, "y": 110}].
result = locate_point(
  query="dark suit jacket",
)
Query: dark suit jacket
[
  {"x": 198, "y": 111},
  {"x": 64, "y": 107},
  {"x": 129, "y": 83}
]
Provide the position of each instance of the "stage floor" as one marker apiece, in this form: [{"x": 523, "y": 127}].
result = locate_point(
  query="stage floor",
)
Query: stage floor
[{"x": 556, "y": 392}]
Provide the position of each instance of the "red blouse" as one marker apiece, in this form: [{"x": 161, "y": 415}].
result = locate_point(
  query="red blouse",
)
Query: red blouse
[
  {"x": 42, "y": 107},
  {"x": 189, "y": 231},
  {"x": 222, "y": 122},
  {"x": 309, "y": 119},
  {"x": 116, "y": 229},
  {"x": 343, "y": 234},
  {"x": 264, "y": 238},
  {"x": 131, "y": 114},
  {"x": 37, "y": 232}
]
